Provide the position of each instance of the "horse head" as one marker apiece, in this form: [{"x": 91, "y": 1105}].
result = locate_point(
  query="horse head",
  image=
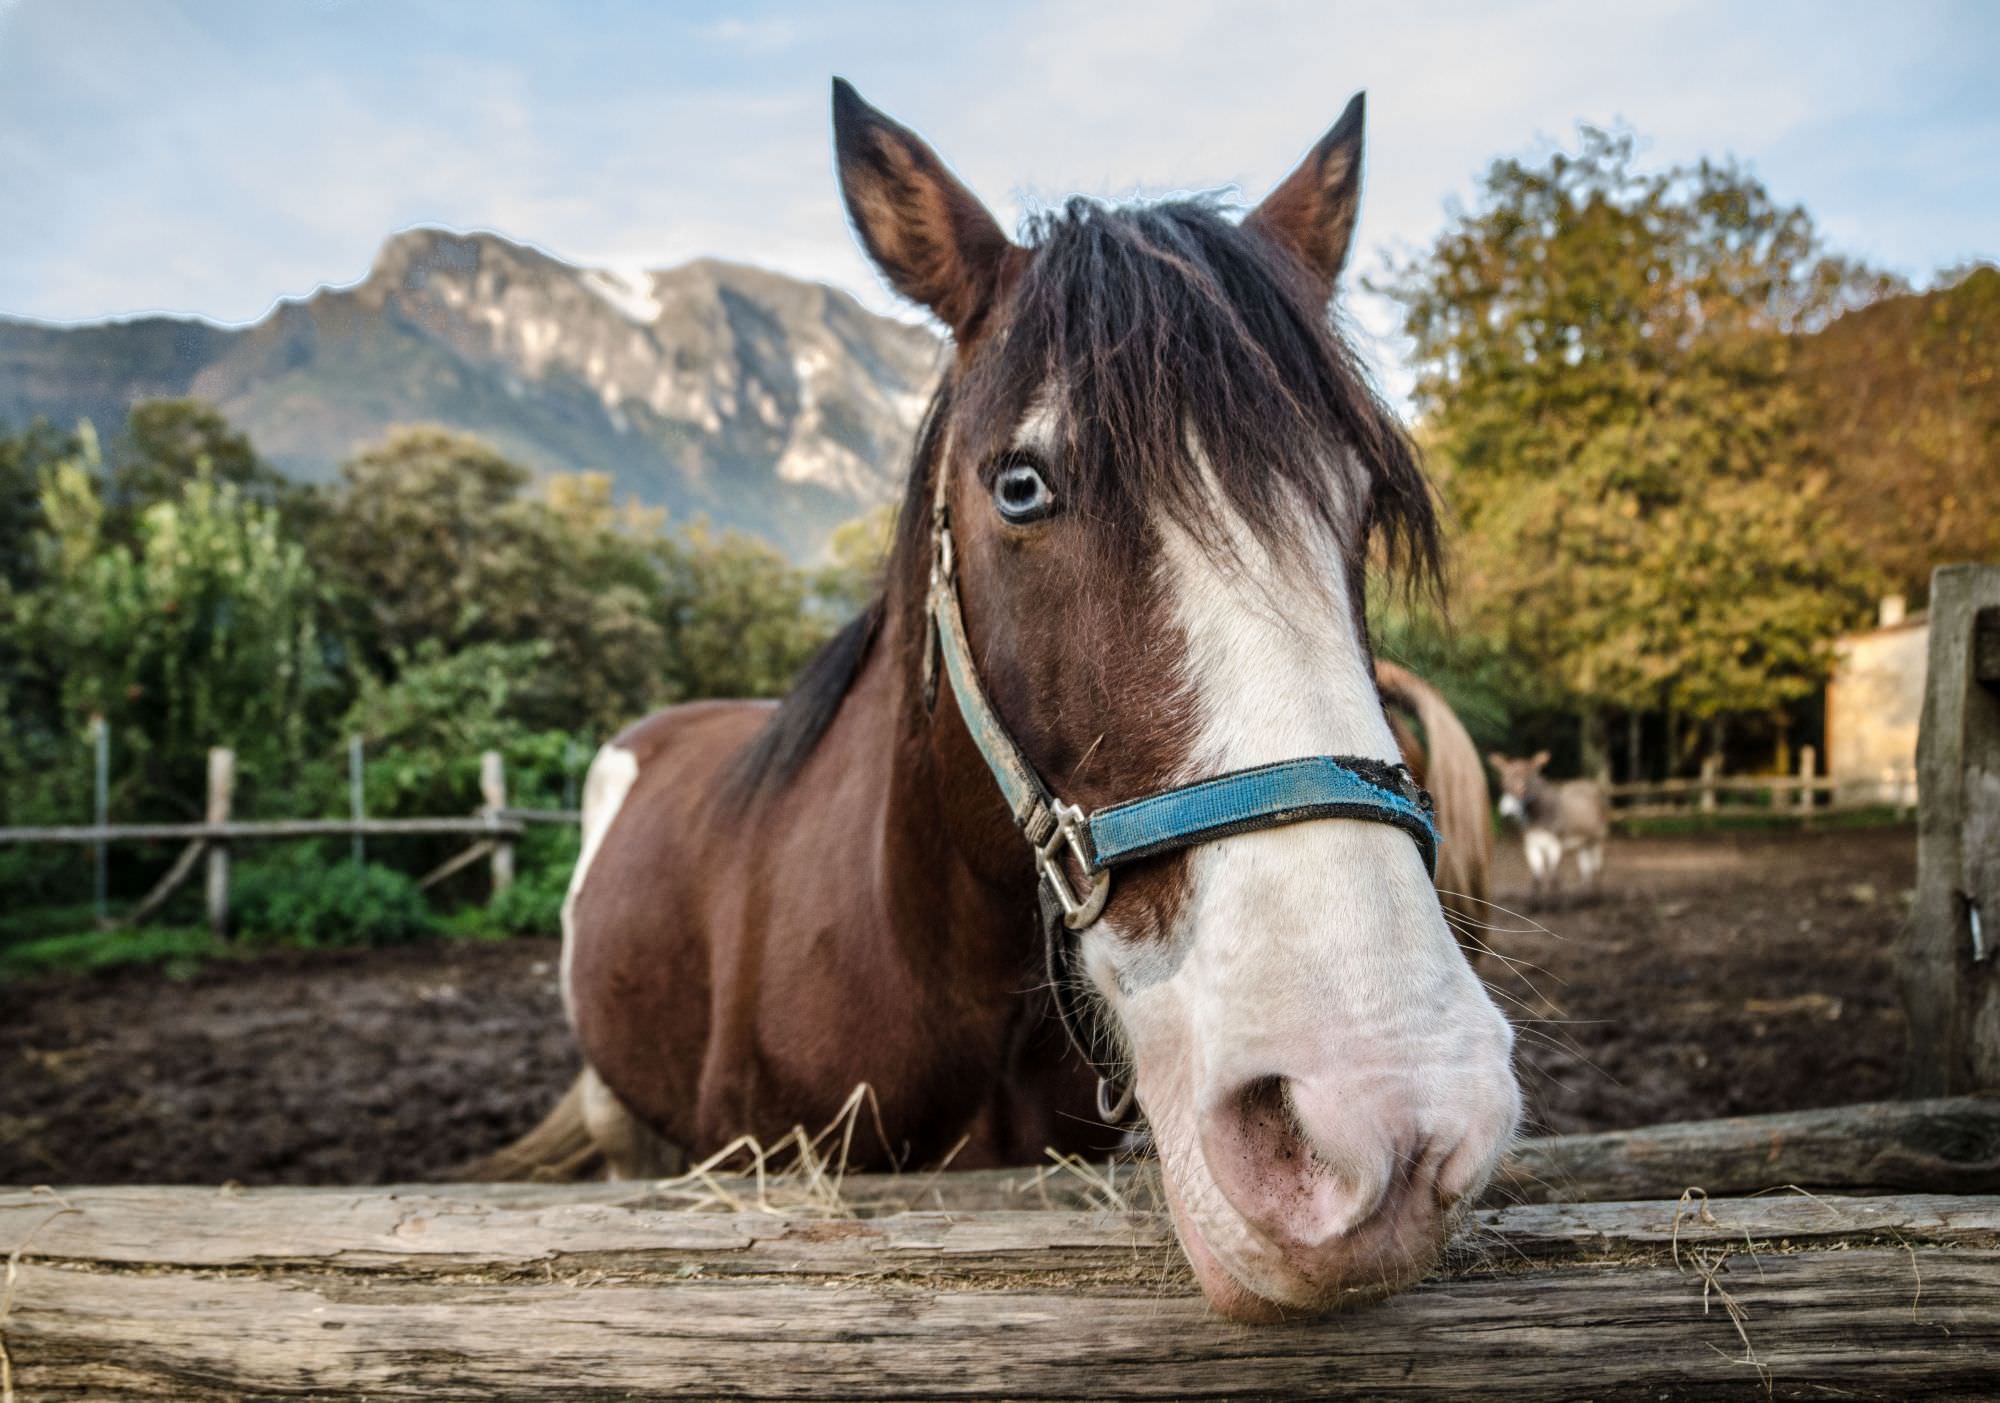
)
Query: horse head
[{"x": 1163, "y": 469}]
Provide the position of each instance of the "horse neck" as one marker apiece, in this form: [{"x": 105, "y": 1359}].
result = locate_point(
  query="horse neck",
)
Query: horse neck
[{"x": 957, "y": 883}]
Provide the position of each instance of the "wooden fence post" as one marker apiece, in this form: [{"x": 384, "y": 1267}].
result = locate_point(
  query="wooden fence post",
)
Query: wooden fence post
[
  {"x": 493, "y": 788},
  {"x": 100, "y": 790},
  {"x": 1808, "y": 765},
  {"x": 1951, "y": 978},
  {"x": 1711, "y": 766},
  {"x": 221, "y": 791}
]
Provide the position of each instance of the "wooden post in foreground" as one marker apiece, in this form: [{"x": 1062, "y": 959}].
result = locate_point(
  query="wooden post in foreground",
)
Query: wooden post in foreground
[
  {"x": 1951, "y": 976},
  {"x": 221, "y": 791},
  {"x": 1711, "y": 766},
  {"x": 493, "y": 789},
  {"x": 1808, "y": 763}
]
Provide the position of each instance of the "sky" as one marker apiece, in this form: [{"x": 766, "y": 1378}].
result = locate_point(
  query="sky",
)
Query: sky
[{"x": 212, "y": 156}]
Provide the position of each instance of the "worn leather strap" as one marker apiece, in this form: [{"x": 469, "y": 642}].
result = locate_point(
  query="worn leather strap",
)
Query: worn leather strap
[{"x": 1243, "y": 801}]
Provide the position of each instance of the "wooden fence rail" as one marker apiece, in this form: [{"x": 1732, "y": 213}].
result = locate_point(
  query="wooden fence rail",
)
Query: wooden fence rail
[
  {"x": 1803, "y": 793},
  {"x": 448, "y": 1291},
  {"x": 495, "y": 827}
]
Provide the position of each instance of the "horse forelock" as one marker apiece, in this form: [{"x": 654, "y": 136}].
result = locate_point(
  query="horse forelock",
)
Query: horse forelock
[{"x": 1172, "y": 352}]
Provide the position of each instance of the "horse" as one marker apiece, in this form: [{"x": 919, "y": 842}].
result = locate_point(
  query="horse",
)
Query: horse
[
  {"x": 1557, "y": 818},
  {"x": 1445, "y": 761},
  {"x": 1129, "y": 561}
]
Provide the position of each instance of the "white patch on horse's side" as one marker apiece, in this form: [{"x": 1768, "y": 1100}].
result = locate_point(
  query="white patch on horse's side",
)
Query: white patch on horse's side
[{"x": 612, "y": 774}]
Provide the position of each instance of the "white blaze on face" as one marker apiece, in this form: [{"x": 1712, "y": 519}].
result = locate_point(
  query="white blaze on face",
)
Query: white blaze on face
[
  {"x": 1510, "y": 806},
  {"x": 611, "y": 776},
  {"x": 1313, "y": 957}
]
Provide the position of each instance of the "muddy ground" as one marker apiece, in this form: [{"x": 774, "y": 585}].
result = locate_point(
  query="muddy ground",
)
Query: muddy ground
[{"x": 1717, "y": 975}]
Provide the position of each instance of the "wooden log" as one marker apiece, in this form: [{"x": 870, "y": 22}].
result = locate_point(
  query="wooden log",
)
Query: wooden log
[
  {"x": 192, "y": 1293},
  {"x": 1949, "y": 1145},
  {"x": 1950, "y": 956},
  {"x": 221, "y": 795}
]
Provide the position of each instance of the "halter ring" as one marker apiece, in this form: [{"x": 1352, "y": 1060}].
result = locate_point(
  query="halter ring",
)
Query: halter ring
[{"x": 1078, "y": 912}]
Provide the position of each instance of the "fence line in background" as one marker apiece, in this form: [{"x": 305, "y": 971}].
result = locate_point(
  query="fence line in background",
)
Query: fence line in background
[
  {"x": 496, "y": 826},
  {"x": 1805, "y": 793}
]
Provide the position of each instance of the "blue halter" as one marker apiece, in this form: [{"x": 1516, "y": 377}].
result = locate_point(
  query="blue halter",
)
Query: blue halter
[{"x": 1242, "y": 801}]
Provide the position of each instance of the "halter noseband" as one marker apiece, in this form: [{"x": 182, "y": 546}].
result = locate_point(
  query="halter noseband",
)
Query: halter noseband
[{"x": 1241, "y": 801}]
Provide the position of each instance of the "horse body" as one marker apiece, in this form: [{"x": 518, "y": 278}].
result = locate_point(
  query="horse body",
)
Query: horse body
[
  {"x": 1160, "y": 471},
  {"x": 738, "y": 970}
]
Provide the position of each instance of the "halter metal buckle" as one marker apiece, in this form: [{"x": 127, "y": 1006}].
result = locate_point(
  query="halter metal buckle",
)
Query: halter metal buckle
[{"x": 1078, "y": 912}]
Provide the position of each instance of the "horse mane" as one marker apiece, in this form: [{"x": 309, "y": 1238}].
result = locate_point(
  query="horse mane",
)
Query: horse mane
[{"x": 1147, "y": 332}]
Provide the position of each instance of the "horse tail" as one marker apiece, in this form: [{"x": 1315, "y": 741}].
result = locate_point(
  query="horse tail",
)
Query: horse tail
[
  {"x": 561, "y": 1147},
  {"x": 1456, "y": 778}
]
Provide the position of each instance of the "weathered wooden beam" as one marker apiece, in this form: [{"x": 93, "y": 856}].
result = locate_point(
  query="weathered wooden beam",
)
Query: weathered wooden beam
[
  {"x": 1950, "y": 957},
  {"x": 194, "y": 1293},
  {"x": 1951, "y": 1145}
]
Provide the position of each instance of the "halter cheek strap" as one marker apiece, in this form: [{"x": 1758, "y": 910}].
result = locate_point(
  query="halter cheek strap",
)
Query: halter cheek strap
[{"x": 1242, "y": 801}]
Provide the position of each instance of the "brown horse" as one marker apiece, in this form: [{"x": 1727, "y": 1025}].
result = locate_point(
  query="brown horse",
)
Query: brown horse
[{"x": 1163, "y": 470}]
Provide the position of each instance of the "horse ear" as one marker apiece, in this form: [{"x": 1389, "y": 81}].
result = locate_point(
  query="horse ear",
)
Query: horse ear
[
  {"x": 1312, "y": 213},
  {"x": 1496, "y": 759},
  {"x": 1541, "y": 759},
  {"x": 927, "y": 233}
]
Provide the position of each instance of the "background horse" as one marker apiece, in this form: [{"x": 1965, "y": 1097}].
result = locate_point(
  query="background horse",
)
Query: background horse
[
  {"x": 1558, "y": 818},
  {"x": 1162, "y": 470}
]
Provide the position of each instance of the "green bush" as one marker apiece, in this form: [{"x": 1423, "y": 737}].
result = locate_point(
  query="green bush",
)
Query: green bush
[
  {"x": 532, "y": 906},
  {"x": 303, "y": 900}
]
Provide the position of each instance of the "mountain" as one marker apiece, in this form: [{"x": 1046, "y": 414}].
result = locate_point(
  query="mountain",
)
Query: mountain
[{"x": 777, "y": 406}]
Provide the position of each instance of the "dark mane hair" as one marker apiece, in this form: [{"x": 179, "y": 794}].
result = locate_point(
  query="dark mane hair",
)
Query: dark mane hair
[
  {"x": 1158, "y": 328},
  {"x": 1155, "y": 329}
]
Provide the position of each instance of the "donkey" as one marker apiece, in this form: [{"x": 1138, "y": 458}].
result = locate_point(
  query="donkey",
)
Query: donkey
[
  {"x": 1557, "y": 818},
  {"x": 1129, "y": 563}
]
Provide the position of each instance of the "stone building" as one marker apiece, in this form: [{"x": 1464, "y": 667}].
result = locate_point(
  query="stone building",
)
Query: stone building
[{"x": 1874, "y": 703}]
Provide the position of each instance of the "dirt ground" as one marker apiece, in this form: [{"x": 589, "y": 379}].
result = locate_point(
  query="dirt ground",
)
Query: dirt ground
[{"x": 1717, "y": 975}]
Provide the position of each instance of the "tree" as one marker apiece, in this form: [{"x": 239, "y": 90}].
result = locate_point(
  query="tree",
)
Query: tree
[
  {"x": 1902, "y": 410},
  {"x": 736, "y": 616},
  {"x": 168, "y": 443},
  {"x": 24, "y": 457},
  {"x": 202, "y": 633},
  {"x": 1601, "y": 374}
]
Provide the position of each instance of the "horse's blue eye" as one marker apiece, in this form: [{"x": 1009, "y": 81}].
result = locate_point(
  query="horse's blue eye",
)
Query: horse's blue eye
[{"x": 1021, "y": 494}]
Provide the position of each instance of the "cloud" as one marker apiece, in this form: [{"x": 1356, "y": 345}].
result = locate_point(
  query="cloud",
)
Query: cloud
[{"x": 212, "y": 158}]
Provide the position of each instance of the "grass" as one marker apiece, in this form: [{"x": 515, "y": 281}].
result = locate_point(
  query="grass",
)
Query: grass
[{"x": 179, "y": 949}]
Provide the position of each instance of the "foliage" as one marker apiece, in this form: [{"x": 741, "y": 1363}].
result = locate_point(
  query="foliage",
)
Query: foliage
[
  {"x": 532, "y": 906},
  {"x": 301, "y": 898},
  {"x": 204, "y": 629},
  {"x": 24, "y": 457},
  {"x": 736, "y": 617},
  {"x": 1601, "y": 362},
  {"x": 168, "y": 444},
  {"x": 1903, "y": 412},
  {"x": 856, "y": 554}
]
